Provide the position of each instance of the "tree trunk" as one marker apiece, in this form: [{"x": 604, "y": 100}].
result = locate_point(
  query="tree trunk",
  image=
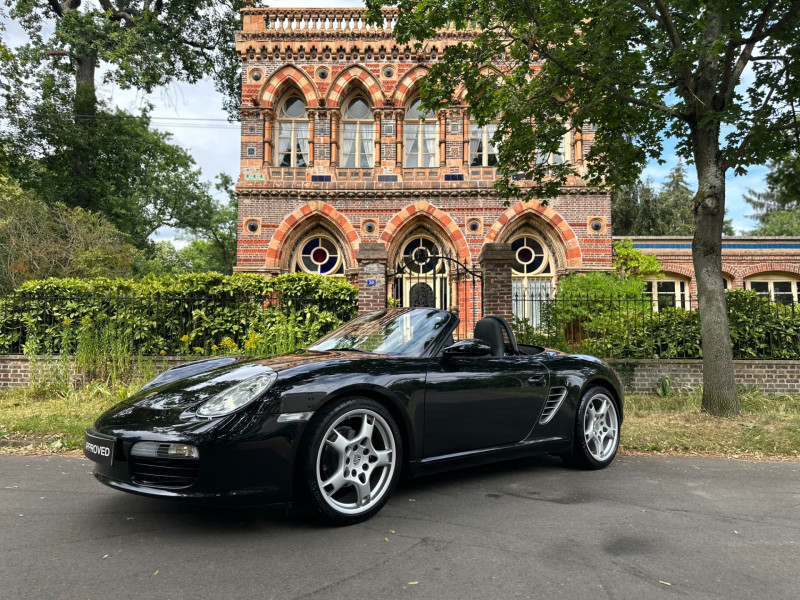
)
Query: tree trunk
[
  {"x": 85, "y": 109},
  {"x": 719, "y": 385}
]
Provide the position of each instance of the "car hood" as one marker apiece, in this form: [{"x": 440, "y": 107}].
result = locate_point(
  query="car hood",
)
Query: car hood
[{"x": 190, "y": 392}]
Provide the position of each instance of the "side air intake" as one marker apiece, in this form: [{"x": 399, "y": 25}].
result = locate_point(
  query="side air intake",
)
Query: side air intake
[{"x": 554, "y": 400}]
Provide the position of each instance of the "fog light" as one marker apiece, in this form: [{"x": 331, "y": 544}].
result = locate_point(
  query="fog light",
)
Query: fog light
[
  {"x": 164, "y": 450},
  {"x": 182, "y": 451}
]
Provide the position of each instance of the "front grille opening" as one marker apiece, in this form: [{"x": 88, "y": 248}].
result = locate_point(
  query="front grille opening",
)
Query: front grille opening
[
  {"x": 554, "y": 400},
  {"x": 162, "y": 473}
]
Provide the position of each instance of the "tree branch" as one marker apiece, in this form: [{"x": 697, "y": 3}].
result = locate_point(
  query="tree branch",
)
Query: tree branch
[
  {"x": 733, "y": 76},
  {"x": 793, "y": 11},
  {"x": 737, "y": 154},
  {"x": 56, "y": 6},
  {"x": 542, "y": 50}
]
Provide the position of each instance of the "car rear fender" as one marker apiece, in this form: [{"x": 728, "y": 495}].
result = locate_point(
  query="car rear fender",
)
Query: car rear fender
[{"x": 613, "y": 389}]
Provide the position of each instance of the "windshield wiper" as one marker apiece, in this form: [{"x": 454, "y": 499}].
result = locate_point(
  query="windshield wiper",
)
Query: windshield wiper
[{"x": 351, "y": 350}]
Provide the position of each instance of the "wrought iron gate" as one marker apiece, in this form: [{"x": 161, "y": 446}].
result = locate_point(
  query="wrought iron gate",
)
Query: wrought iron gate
[{"x": 439, "y": 281}]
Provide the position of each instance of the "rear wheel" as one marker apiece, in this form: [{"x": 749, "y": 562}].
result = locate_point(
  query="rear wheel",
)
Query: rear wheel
[
  {"x": 596, "y": 430},
  {"x": 352, "y": 462}
]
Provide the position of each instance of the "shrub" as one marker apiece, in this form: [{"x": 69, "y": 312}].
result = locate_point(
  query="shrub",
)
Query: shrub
[
  {"x": 626, "y": 327},
  {"x": 205, "y": 313}
]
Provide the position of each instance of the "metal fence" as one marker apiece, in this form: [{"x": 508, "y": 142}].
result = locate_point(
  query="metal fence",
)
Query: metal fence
[
  {"x": 168, "y": 323},
  {"x": 619, "y": 326}
]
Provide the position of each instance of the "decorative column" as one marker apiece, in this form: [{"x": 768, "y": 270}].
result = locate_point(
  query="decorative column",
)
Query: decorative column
[
  {"x": 466, "y": 134},
  {"x": 577, "y": 146},
  {"x": 269, "y": 124},
  {"x": 376, "y": 160},
  {"x": 312, "y": 119},
  {"x": 399, "y": 115},
  {"x": 334, "y": 138},
  {"x": 496, "y": 261},
  {"x": 442, "y": 116},
  {"x": 372, "y": 258}
]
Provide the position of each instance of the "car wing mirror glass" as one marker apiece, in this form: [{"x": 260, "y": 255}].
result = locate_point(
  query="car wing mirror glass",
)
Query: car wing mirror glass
[{"x": 468, "y": 348}]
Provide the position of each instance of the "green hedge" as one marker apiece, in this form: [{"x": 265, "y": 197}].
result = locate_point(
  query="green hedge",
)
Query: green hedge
[
  {"x": 622, "y": 327},
  {"x": 203, "y": 313}
]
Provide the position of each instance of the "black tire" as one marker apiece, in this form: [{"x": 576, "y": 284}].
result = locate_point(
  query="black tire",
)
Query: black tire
[
  {"x": 339, "y": 452},
  {"x": 593, "y": 448}
]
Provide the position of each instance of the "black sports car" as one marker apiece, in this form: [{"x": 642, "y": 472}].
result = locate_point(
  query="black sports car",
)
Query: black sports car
[{"x": 335, "y": 425}]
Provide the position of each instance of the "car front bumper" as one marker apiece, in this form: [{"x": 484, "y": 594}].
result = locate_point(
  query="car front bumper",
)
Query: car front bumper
[{"x": 255, "y": 470}]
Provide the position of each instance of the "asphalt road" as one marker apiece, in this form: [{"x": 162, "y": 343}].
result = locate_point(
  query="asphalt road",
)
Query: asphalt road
[{"x": 524, "y": 529}]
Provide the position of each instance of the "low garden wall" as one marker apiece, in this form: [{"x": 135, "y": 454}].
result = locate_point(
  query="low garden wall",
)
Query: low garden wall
[{"x": 640, "y": 376}]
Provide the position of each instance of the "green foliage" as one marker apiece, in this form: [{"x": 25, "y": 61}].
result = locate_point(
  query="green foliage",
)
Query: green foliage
[
  {"x": 139, "y": 44},
  {"x": 620, "y": 327},
  {"x": 640, "y": 209},
  {"x": 632, "y": 263},
  {"x": 777, "y": 209},
  {"x": 205, "y": 314},
  {"x": 39, "y": 240}
]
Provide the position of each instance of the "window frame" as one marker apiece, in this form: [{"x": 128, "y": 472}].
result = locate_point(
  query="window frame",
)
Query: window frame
[
  {"x": 420, "y": 139},
  {"x": 485, "y": 141},
  {"x": 284, "y": 118},
  {"x": 771, "y": 279},
  {"x": 369, "y": 121},
  {"x": 681, "y": 295},
  {"x": 297, "y": 265}
]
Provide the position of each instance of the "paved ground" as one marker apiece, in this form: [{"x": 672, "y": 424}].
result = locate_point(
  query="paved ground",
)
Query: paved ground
[{"x": 524, "y": 529}]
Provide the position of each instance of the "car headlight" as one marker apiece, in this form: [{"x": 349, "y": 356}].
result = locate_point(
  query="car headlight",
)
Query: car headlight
[{"x": 237, "y": 396}]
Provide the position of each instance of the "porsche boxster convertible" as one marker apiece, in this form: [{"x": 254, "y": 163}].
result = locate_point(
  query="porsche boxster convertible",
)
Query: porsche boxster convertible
[{"x": 335, "y": 425}]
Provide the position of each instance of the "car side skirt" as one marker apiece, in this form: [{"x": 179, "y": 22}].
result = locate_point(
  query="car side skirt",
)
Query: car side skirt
[{"x": 437, "y": 464}]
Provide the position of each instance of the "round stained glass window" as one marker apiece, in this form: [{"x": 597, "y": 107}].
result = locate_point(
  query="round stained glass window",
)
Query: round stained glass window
[
  {"x": 420, "y": 256},
  {"x": 319, "y": 255},
  {"x": 531, "y": 256}
]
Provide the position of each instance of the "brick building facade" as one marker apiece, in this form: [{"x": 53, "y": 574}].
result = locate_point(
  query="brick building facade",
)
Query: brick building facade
[
  {"x": 336, "y": 156},
  {"x": 341, "y": 174}
]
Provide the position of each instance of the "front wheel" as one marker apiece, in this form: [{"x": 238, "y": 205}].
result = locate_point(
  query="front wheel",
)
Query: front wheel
[
  {"x": 596, "y": 430},
  {"x": 352, "y": 462}
]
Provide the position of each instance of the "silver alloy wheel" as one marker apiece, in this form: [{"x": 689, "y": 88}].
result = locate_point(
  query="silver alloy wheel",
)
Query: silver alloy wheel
[
  {"x": 601, "y": 427},
  {"x": 356, "y": 461}
]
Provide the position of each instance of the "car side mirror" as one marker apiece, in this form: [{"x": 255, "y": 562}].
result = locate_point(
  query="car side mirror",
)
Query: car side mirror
[{"x": 468, "y": 348}]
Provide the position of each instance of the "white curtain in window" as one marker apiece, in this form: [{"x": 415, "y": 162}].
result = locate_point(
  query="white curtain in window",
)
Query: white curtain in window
[{"x": 301, "y": 131}]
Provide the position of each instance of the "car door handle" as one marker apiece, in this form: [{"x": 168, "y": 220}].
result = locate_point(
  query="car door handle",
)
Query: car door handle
[{"x": 536, "y": 380}]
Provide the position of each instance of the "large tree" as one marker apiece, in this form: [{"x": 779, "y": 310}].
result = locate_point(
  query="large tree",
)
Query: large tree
[
  {"x": 720, "y": 77},
  {"x": 141, "y": 44}
]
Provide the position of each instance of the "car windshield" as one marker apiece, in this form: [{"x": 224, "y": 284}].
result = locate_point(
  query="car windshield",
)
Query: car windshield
[{"x": 400, "y": 332}]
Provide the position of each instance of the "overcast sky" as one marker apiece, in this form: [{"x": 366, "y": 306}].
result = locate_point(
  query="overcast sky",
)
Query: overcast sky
[{"x": 193, "y": 114}]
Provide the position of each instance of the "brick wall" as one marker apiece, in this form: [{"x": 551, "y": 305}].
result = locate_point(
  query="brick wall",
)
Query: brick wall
[
  {"x": 639, "y": 376},
  {"x": 772, "y": 377},
  {"x": 15, "y": 368}
]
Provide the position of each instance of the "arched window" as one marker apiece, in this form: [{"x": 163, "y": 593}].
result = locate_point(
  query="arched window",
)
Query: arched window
[
  {"x": 358, "y": 137},
  {"x": 319, "y": 254},
  {"x": 482, "y": 153},
  {"x": 532, "y": 275},
  {"x": 783, "y": 288},
  {"x": 420, "y": 142},
  {"x": 670, "y": 292},
  {"x": 292, "y": 133},
  {"x": 422, "y": 278}
]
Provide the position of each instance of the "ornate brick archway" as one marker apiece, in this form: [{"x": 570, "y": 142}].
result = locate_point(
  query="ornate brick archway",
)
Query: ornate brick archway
[
  {"x": 569, "y": 251},
  {"x": 281, "y": 79},
  {"x": 420, "y": 211},
  {"x": 294, "y": 225},
  {"x": 407, "y": 85},
  {"x": 359, "y": 76}
]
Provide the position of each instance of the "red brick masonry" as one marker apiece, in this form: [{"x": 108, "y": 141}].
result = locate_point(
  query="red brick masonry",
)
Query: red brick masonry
[{"x": 640, "y": 376}]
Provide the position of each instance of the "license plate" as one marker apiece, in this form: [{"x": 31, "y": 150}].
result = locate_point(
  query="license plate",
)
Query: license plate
[{"x": 99, "y": 448}]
